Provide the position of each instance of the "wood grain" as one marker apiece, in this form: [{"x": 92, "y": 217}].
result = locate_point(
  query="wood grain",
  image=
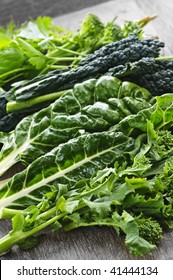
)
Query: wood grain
[
  {"x": 21, "y": 11},
  {"x": 102, "y": 242}
]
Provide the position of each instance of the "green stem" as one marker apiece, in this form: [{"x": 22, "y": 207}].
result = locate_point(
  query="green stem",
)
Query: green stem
[
  {"x": 164, "y": 58},
  {"x": 57, "y": 66},
  {"x": 14, "y": 106},
  {"x": 7, "y": 213},
  {"x": 67, "y": 47},
  {"x": 70, "y": 58},
  {"x": 13, "y": 78},
  {"x": 12, "y": 72},
  {"x": 65, "y": 50},
  {"x": 11, "y": 239},
  {"x": 47, "y": 214},
  {"x": 71, "y": 226}
]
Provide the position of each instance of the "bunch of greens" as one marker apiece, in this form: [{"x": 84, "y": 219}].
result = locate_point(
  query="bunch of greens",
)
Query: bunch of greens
[
  {"x": 102, "y": 153},
  {"x": 39, "y": 46},
  {"x": 120, "y": 177},
  {"x": 39, "y": 92}
]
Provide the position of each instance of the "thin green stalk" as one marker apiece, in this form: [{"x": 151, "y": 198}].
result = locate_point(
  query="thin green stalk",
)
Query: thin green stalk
[
  {"x": 164, "y": 58},
  {"x": 48, "y": 213},
  {"x": 12, "y": 72},
  {"x": 14, "y": 106},
  {"x": 12, "y": 78},
  {"x": 66, "y": 47},
  {"x": 8, "y": 213},
  {"x": 65, "y": 50},
  {"x": 11, "y": 239},
  {"x": 71, "y": 226},
  {"x": 54, "y": 67},
  {"x": 68, "y": 58}
]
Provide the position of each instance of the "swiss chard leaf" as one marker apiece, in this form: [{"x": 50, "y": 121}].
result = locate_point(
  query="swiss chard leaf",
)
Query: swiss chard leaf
[
  {"x": 94, "y": 105},
  {"x": 74, "y": 160}
]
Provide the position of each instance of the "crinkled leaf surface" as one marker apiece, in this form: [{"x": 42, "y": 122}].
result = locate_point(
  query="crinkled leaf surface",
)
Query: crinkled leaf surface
[
  {"x": 92, "y": 106},
  {"x": 69, "y": 162}
]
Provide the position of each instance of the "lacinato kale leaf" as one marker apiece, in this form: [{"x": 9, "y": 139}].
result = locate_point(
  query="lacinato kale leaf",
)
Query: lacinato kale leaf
[
  {"x": 126, "y": 50},
  {"x": 39, "y": 46},
  {"x": 150, "y": 73},
  {"x": 28, "y": 97}
]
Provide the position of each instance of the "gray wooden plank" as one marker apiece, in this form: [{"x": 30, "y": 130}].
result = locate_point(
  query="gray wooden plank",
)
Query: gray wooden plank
[
  {"x": 20, "y": 10},
  {"x": 97, "y": 243}
]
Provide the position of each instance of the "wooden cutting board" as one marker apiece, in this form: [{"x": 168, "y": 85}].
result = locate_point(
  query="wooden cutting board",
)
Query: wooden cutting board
[{"x": 102, "y": 242}]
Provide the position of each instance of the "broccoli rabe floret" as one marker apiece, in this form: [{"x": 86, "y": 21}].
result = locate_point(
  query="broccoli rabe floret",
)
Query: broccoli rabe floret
[
  {"x": 149, "y": 229},
  {"x": 91, "y": 25},
  {"x": 90, "y": 32},
  {"x": 112, "y": 33}
]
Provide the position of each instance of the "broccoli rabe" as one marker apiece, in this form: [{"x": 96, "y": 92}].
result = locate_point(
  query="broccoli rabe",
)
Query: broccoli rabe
[
  {"x": 93, "y": 33},
  {"x": 90, "y": 32},
  {"x": 149, "y": 229}
]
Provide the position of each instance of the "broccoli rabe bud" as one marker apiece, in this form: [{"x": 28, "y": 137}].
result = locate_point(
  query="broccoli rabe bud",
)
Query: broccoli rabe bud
[
  {"x": 91, "y": 25},
  {"x": 149, "y": 229}
]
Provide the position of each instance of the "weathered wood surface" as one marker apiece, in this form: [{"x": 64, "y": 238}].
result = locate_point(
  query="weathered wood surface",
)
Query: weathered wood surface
[
  {"x": 101, "y": 242},
  {"x": 22, "y": 10}
]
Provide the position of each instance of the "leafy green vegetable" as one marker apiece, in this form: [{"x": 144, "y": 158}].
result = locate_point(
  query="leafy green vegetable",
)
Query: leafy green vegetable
[
  {"x": 101, "y": 200},
  {"x": 160, "y": 115},
  {"x": 74, "y": 160},
  {"x": 89, "y": 204},
  {"x": 94, "y": 105},
  {"x": 149, "y": 229},
  {"x": 39, "y": 46},
  {"x": 154, "y": 74},
  {"x": 27, "y": 97},
  {"x": 103, "y": 178},
  {"x": 102, "y": 153},
  {"x": 129, "y": 49}
]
